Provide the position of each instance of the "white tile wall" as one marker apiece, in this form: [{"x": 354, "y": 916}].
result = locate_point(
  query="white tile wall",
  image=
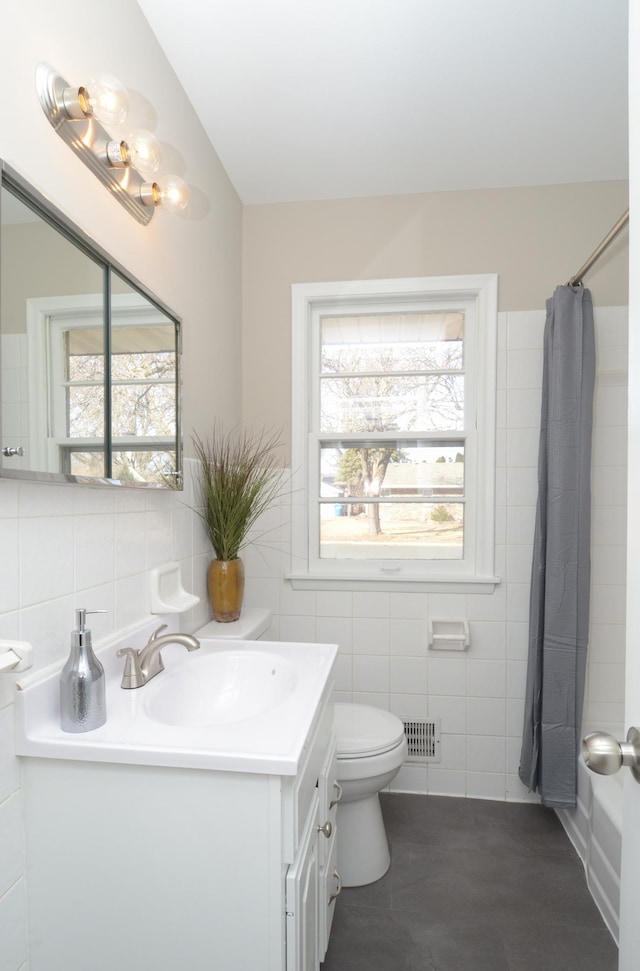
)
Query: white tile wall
[{"x": 478, "y": 695}]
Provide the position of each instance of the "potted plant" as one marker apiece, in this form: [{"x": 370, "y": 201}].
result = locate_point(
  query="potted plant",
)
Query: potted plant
[{"x": 239, "y": 478}]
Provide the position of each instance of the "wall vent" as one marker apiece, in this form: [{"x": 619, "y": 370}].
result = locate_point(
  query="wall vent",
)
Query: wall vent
[{"x": 423, "y": 738}]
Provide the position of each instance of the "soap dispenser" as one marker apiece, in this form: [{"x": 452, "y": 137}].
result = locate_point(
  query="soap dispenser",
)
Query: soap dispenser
[{"x": 82, "y": 682}]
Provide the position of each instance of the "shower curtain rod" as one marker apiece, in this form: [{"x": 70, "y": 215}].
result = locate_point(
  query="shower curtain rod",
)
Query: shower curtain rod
[{"x": 599, "y": 250}]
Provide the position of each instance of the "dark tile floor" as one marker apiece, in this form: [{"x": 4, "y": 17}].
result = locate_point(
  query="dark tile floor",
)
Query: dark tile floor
[{"x": 473, "y": 886}]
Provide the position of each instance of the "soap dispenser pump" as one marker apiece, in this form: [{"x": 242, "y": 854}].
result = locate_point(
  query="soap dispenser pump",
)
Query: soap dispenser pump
[{"x": 82, "y": 682}]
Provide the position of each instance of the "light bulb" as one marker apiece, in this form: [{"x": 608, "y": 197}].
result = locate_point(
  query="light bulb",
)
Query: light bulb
[
  {"x": 173, "y": 193},
  {"x": 107, "y": 99},
  {"x": 143, "y": 151}
]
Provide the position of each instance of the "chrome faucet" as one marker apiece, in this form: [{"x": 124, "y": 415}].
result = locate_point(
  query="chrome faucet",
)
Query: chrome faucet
[{"x": 143, "y": 665}]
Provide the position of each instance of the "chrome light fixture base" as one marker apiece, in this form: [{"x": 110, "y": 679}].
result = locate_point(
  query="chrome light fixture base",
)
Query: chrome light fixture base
[{"x": 86, "y": 137}]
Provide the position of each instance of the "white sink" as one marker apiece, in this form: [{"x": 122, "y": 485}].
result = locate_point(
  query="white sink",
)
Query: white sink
[
  {"x": 216, "y": 689},
  {"x": 240, "y": 706}
]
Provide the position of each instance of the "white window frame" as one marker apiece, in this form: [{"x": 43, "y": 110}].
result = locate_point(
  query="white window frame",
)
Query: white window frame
[
  {"x": 47, "y": 320},
  {"x": 477, "y": 296}
]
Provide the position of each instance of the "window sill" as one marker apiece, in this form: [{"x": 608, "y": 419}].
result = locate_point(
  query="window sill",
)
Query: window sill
[{"x": 399, "y": 584}]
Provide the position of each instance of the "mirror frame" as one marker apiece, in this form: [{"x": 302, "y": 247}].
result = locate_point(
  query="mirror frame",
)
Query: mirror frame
[{"x": 47, "y": 211}]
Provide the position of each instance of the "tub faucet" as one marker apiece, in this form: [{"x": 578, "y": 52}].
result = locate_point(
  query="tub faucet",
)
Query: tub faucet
[{"x": 143, "y": 665}]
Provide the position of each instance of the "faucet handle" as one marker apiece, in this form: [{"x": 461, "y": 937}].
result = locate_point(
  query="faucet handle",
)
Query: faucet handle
[{"x": 157, "y": 631}]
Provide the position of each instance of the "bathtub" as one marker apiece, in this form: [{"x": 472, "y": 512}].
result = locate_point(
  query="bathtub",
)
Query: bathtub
[{"x": 595, "y": 829}]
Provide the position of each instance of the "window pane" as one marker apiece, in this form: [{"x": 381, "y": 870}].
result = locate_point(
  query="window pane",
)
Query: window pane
[
  {"x": 139, "y": 466},
  {"x": 143, "y": 352},
  {"x": 143, "y": 410},
  {"x": 86, "y": 463},
  {"x": 392, "y": 403},
  {"x": 149, "y": 367},
  {"x": 144, "y": 338},
  {"x": 401, "y": 470},
  {"x": 391, "y": 530},
  {"x": 85, "y": 354},
  {"x": 85, "y": 411},
  {"x": 392, "y": 342},
  {"x": 392, "y": 526}
]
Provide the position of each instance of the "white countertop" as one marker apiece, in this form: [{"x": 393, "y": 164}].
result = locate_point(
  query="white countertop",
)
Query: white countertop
[{"x": 272, "y": 742}]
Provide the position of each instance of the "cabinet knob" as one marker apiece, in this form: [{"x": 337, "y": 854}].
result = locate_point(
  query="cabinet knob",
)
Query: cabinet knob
[
  {"x": 10, "y": 450},
  {"x": 338, "y": 878},
  {"x": 326, "y": 829},
  {"x": 338, "y": 788}
]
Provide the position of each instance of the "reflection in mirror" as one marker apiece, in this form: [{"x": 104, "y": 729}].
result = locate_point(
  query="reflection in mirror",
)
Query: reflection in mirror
[
  {"x": 48, "y": 288},
  {"x": 80, "y": 380},
  {"x": 143, "y": 387},
  {"x": 64, "y": 311}
]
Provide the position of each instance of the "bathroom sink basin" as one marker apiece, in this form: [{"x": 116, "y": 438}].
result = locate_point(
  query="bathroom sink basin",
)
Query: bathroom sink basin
[
  {"x": 221, "y": 688},
  {"x": 236, "y": 706}
]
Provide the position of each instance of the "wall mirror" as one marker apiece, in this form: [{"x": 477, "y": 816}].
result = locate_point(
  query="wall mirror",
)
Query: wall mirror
[{"x": 89, "y": 359}]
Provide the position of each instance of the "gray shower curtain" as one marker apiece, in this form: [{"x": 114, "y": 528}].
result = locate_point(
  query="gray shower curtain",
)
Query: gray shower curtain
[{"x": 559, "y": 605}]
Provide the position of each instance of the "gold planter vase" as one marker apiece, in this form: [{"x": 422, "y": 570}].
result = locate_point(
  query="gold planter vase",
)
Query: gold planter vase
[{"x": 225, "y": 580}]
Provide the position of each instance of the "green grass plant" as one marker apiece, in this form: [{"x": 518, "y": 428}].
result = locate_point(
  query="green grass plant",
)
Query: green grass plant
[{"x": 240, "y": 477}]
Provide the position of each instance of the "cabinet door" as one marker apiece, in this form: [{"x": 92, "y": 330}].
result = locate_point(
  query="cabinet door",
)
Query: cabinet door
[
  {"x": 302, "y": 899},
  {"x": 329, "y": 887}
]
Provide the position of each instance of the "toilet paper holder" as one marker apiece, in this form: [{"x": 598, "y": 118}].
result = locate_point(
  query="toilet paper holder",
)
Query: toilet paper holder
[{"x": 449, "y": 635}]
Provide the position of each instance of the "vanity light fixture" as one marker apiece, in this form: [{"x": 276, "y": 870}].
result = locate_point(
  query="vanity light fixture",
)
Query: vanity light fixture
[{"x": 124, "y": 166}]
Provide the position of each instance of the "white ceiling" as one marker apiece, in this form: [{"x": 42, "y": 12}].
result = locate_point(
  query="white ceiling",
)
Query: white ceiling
[{"x": 319, "y": 99}]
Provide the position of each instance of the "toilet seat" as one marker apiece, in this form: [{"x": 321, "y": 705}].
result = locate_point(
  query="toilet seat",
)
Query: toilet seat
[{"x": 363, "y": 731}]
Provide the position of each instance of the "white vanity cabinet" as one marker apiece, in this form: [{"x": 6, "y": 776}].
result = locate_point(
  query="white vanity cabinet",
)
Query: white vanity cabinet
[{"x": 139, "y": 867}]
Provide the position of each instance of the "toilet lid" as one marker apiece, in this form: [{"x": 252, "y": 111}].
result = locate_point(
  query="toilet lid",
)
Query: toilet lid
[{"x": 363, "y": 730}]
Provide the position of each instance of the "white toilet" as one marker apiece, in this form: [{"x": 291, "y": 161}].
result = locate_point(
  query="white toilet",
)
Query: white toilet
[{"x": 371, "y": 747}]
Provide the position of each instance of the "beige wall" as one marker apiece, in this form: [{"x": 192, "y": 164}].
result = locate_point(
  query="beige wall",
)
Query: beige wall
[
  {"x": 193, "y": 262},
  {"x": 37, "y": 262},
  {"x": 535, "y": 238}
]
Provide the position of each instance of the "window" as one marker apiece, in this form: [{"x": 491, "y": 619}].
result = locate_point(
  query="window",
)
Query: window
[
  {"x": 394, "y": 432},
  {"x": 67, "y": 381}
]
